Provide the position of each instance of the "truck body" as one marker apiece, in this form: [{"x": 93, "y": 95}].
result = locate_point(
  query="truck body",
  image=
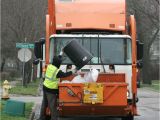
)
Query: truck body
[{"x": 101, "y": 26}]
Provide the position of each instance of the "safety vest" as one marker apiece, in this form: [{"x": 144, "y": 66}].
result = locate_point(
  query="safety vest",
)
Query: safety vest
[{"x": 51, "y": 81}]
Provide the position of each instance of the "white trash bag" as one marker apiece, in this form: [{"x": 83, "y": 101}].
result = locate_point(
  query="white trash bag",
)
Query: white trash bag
[
  {"x": 66, "y": 81},
  {"x": 94, "y": 74},
  {"x": 91, "y": 76},
  {"x": 78, "y": 79}
]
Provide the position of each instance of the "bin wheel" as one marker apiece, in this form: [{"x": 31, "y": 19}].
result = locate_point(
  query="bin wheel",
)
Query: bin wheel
[{"x": 128, "y": 118}]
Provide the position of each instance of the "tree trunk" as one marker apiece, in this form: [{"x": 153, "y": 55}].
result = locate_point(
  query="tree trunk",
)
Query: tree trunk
[
  {"x": 146, "y": 66},
  {"x": 2, "y": 64}
]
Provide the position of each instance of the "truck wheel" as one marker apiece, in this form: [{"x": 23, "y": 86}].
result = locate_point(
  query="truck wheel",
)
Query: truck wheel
[{"x": 128, "y": 118}]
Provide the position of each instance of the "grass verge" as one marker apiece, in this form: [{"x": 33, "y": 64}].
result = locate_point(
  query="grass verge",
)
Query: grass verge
[
  {"x": 155, "y": 86},
  {"x": 28, "y": 109},
  {"x": 30, "y": 89}
]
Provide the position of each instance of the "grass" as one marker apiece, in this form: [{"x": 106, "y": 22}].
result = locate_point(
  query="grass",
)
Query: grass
[
  {"x": 30, "y": 89},
  {"x": 155, "y": 86},
  {"x": 28, "y": 109}
]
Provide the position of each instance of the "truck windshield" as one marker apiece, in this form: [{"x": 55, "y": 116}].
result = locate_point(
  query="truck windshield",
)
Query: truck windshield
[{"x": 104, "y": 50}]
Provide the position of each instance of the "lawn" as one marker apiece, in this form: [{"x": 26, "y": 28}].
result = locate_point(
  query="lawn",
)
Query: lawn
[
  {"x": 28, "y": 109},
  {"x": 30, "y": 89},
  {"x": 154, "y": 86}
]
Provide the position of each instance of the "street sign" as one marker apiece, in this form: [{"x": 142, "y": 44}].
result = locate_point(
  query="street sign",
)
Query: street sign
[
  {"x": 24, "y": 45},
  {"x": 24, "y": 55}
]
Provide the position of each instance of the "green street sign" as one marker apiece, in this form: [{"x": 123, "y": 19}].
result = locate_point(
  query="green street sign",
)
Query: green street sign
[{"x": 24, "y": 45}]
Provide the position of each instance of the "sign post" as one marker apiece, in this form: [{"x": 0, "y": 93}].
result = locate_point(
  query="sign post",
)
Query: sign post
[{"x": 24, "y": 55}]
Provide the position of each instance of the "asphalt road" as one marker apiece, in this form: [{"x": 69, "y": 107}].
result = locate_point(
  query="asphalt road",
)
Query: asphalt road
[{"x": 148, "y": 106}]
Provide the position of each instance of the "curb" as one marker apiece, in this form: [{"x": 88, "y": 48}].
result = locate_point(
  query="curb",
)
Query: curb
[
  {"x": 32, "y": 115},
  {"x": 35, "y": 112},
  {"x": 150, "y": 89}
]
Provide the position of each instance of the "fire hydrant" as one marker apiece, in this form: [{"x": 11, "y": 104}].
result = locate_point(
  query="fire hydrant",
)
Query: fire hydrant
[{"x": 5, "y": 92}]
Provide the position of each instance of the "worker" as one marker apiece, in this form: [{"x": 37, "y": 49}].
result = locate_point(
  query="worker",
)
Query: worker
[{"x": 50, "y": 87}]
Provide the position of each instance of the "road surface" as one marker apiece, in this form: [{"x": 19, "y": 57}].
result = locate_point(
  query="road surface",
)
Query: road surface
[{"x": 148, "y": 106}]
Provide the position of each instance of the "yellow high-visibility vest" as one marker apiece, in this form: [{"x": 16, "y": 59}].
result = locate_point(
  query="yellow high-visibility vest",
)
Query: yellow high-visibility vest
[{"x": 51, "y": 81}]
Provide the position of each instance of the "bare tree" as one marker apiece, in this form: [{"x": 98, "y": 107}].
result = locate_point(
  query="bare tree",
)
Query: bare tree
[
  {"x": 147, "y": 16},
  {"x": 21, "y": 19}
]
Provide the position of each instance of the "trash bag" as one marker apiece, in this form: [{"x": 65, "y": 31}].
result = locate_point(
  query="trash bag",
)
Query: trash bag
[
  {"x": 78, "y": 79},
  {"x": 94, "y": 74},
  {"x": 91, "y": 76},
  {"x": 66, "y": 81}
]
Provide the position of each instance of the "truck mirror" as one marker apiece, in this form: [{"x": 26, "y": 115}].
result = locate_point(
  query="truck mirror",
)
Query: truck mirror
[
  {"x": 38, "y": 48},
  {"x": 36, "y": 61},
  {"x": 139, "y": 50}
]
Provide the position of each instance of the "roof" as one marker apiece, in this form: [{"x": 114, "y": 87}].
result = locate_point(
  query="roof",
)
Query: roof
[{"x": 91, "y": 14}]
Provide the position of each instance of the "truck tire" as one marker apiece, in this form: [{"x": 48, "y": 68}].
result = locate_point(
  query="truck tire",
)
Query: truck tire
[{"x": 128, "y": 118}]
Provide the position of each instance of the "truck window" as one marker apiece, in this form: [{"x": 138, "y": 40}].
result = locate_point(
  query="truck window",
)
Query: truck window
[
  {"x": 115, "y": 51},
  {"x": 107, "y": 50}
]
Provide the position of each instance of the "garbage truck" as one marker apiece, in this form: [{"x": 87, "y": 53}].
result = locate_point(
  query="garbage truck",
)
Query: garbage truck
[{"x": 104, "y": 29}]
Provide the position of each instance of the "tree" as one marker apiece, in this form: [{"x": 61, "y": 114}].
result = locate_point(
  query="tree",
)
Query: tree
[
  {"x": 147, "y": 17},
  {"x": 21, "y": 19}
]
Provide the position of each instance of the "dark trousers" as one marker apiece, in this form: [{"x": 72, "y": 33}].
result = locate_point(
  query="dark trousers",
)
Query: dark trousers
[{"x": 49, "y": 100}]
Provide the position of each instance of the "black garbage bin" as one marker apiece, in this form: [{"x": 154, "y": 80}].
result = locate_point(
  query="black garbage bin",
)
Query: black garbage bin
[{"x": 77, "y": 53}]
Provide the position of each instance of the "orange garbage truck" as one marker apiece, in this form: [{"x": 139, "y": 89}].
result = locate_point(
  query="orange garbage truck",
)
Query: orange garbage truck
[{"x": 103, "y": 28}]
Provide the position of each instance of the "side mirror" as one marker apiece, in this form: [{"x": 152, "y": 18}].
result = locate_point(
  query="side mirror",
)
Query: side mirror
[
  {"x": 36, "y": 61},
  {"x": 38, "y": 48},
  {"x": 139, "y": 54},
  {"x": 139, "y": 50}
]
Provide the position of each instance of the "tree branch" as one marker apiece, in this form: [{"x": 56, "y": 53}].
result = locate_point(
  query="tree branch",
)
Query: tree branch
[
  {"x": 13, "y": 29},
  {"x": 157, "y": 2},
  {"x": 153, "y": 38}
]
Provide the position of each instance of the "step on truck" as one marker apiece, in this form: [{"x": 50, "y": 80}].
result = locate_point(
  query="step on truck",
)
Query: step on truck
[{"x": 105, "y": 30}]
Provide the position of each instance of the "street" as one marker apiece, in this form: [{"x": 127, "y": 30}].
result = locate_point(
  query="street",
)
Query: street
[{"x": 148, "y": 106}]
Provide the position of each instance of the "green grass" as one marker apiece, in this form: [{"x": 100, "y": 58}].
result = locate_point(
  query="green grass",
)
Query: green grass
[
  {"x": 155, "y": 86},
  {"x": 30, "y": 89},
  {"x": 28, "y": 109}
]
